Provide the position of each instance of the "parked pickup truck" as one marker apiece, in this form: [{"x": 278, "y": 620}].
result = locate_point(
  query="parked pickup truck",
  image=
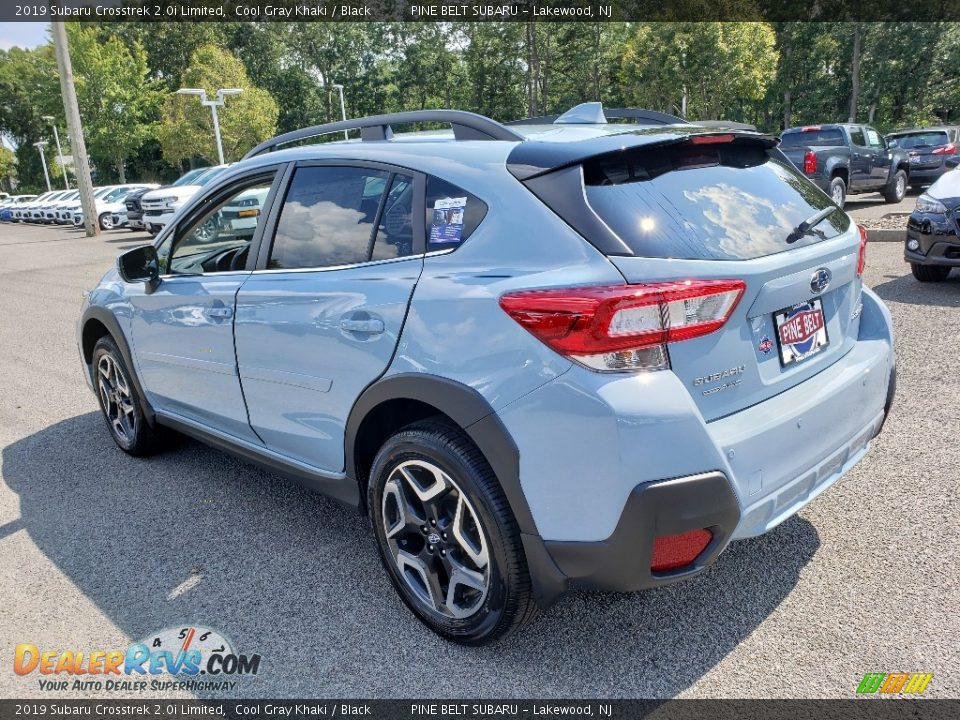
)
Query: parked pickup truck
[{"x": 845, "y": 159}]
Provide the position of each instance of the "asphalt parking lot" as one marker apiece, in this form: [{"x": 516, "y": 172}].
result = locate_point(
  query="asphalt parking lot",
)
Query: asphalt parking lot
[{"x": 98, "y": 549}]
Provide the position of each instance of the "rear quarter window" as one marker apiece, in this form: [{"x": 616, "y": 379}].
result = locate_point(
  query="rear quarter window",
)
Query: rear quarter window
[
  {"x": 733, "y": 201},
  {"x": 452, "y": 214}
]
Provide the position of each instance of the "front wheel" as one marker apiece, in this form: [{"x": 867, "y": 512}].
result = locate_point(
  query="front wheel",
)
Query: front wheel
[
  {"x": 897, "y": 189},
  {"x": 119, "y": 402},
  {"x": 105, "y": 221},
  {"x": 929, "y": 273},
  {"x": 447, "y": 536}
]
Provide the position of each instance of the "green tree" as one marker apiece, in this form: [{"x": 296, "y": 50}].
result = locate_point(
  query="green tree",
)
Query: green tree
[
  {"x": 708, "y": 70},
  {"x": 119, "y": 104},
  {"x": 8, "y": 168},
  {"x": 246, "y": 119}
]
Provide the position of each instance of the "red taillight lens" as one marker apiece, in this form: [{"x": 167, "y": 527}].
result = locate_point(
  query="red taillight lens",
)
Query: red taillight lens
[
  {"x": 862, "y": 256},
  {"x": 809, "y": 162},
  {"x": 950, "y": 149},
  {"x": 676, "y": 551},
  {"x": 608, "y": 327},
  {"x": 710, "y": 139}
]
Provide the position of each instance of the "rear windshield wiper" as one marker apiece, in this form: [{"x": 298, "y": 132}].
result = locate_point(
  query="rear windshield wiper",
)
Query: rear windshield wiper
[{"x": 809, "y": 224}]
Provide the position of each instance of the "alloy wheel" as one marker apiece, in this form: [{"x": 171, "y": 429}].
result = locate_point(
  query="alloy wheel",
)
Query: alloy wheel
[
  {"x": 838, "y": 195},
  {"x": 106, "y": 222},
  {"x": 901, "y": 186},
  {"x": 116, "y": 398},
  {"x": 436, "y": 540}
]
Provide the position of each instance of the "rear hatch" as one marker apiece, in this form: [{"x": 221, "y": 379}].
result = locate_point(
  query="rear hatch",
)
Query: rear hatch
[
  {"x": 724, "y": 209},
  {"x": 927, "y": 148},
  {"x": 796, "y": 143}
]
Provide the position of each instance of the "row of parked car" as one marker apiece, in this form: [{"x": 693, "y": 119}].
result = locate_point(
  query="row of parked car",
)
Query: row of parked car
[
  {"x": 137, "y": 206},
  {"x": 846, "y": 159},
  {"x": 62, "y": 207}
]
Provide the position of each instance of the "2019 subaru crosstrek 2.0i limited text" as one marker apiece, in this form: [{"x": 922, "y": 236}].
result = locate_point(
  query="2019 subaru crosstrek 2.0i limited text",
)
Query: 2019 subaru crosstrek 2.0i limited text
[{"x": 539, "y": 356}]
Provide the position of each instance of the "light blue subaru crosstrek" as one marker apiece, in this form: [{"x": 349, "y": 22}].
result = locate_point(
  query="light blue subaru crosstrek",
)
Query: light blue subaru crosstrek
[{"x": 557, "y": 353}]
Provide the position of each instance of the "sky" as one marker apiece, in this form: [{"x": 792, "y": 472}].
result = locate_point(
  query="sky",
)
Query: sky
[{"x": 22, "y": 34}]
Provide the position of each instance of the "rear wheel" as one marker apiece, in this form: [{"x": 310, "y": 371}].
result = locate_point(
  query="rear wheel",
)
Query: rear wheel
[
  {"x": 929, "y": 273},
  {"x": 896, "y": 190},
  {"x": 447, "y": 536},
  {"x": 119, "y": 402},
  {"x": 838, "y": 190},
  {"x": 105, "y": 221}
]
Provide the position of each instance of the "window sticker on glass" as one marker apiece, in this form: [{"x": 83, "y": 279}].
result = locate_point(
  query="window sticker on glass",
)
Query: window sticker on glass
[{"x": 447, "y": 225}]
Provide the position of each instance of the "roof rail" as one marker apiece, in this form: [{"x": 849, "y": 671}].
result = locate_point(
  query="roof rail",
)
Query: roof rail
[
  {"x": 637, "y": 115},
  {"x": 466, "y": 126}
]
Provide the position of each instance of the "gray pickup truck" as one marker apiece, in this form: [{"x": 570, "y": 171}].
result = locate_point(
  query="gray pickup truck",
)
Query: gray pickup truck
[{"x": 845, "y": 159}]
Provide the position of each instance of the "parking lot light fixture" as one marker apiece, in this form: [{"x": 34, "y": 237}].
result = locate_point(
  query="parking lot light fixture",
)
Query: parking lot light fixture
[
  {"x": 213, "y": 105},
  {"x": 56, "y": 137},
  {"x": 43, "y": 161}
]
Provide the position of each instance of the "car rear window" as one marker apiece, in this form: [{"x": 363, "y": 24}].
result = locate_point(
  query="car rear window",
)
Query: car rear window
[
  {"x": 910, "y": 141},
  {"x": 823, "y": 137},
  {"x": 730, "y": 201}
]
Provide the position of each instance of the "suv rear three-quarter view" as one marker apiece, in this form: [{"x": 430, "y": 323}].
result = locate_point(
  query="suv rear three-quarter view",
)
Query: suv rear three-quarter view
[{"x": 545, "y": 355}]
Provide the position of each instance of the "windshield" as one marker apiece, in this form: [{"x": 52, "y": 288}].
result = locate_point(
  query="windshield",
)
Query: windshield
[
  {"x": 909, "y": 141},
  {"x": 208, "y": 176},
  {"x": 820, "y": 137},
  {"x": 188, "y": 178},
  {"x": 731, "y": 201},
  {"x": 118, "y": 193}
]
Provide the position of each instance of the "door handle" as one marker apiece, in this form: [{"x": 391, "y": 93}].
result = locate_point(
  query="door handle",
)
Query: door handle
[
  {"x": 374, "y": 326},
  {"x": 220, "y": 312}
]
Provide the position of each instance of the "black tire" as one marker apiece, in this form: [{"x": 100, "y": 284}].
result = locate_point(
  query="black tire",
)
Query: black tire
[
  {"x": 838, "y": 190},
  {"x": 505, "y": 603},
  {"x": 896, "y": 189},
  {"x": 929, "y": 273},
  {"x": 121, "y": 408},
  {"x": 105, "y": 221}
]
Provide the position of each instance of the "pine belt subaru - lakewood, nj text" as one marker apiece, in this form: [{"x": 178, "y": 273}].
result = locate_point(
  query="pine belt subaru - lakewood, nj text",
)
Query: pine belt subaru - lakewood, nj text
[{"x": 557, "y": 353}]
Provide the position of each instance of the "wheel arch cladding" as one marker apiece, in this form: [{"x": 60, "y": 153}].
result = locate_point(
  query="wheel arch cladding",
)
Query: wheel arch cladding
[
  {"x": 401, "y": 399},
  {"x": 99, "y": 322}
]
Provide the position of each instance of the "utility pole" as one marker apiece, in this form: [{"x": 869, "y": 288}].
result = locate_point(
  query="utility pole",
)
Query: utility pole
[
  {"x": 213, "y": 105},
  {"x": 43, "y": 161},
  {"x": 75, "y": 128},
  {"x": 56, "y": 137}
]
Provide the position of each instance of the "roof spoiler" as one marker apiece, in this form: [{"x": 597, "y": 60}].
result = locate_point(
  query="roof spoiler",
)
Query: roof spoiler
[
  {"x": 466, "y": 126},
  {"x": 593, "y": 113}
]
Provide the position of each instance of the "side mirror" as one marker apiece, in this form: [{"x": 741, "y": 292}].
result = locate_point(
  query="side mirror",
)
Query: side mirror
[
  {"x": 952, "y": 162},
  {"x": 139, "y": 265}
]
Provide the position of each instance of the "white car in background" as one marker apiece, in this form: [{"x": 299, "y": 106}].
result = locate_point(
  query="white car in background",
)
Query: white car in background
[
  {"x": 161, "y": 205},
  {"x": 109, "y": 203},
  {"x": 55, "y": 211},
  {"x": 22, "y": 212},
  {"x": 39, "y": 212},
  {"x": 69, "y": 212},
  {"x": 12, "y": 204}
]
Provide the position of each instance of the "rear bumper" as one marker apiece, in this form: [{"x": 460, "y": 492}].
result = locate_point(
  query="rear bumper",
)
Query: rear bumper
[{"x": 594, "y": 450}]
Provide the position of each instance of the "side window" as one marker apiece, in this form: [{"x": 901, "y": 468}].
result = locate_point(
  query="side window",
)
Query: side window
[
  {"x": 395, "y": 233},
  {"x": 856, "y": 137},
  {"x": 452, "y": 214},
  {"x": 219, "y": 240},
  {"x": 873, "y": 137},
  {"x": 328, "y": 217}
]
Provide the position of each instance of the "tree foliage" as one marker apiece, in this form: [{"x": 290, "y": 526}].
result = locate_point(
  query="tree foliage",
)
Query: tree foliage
[{"x": 245, "y": 120}]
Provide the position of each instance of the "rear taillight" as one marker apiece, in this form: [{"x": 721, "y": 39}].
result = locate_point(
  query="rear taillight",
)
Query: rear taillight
[
  {"x": 862, "y": 256},
  {"x": 950, "y": 149},
  {"x": 809, "y": 162},
  {"x": 676, "y": 551},
  {"x": 624, "y": 327}
]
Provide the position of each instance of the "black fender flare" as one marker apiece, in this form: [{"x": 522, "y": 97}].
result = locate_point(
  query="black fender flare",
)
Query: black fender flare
[
  {"x": 471, "y": 411},
  {"x": 109, "y": 321},
  {"x": 466, "y": 407}
]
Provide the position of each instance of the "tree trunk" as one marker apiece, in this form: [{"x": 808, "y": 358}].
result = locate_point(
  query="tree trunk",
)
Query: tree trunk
[
  {"x": 787, "y": 110},
  {"x": 855, "y": 72},
  {"x": 533, "y": 70},
  {"x": 122, "y": 172}
]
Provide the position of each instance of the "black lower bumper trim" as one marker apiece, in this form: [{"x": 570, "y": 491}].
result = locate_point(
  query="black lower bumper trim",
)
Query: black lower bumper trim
[{"x": 669, "y": 507}]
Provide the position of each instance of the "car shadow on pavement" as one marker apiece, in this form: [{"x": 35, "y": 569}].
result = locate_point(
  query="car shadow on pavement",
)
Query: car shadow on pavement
[
  {"x": 194, "y": 536},
  {"x": 907, "y": 289}
]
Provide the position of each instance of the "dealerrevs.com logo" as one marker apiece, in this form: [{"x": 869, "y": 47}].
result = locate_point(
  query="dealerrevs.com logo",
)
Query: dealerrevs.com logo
[{"x": 189, "y": 658}]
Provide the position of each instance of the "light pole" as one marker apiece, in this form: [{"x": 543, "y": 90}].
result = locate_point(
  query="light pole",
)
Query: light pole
[
  {"x": 321, "y": 79},
  {"x": 213, "y": 105},
  {"x": 43, "y": 161},
  {"x": 56, "y": 136}
]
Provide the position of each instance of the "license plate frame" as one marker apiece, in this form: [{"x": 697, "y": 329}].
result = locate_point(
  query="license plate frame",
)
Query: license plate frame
[{"x": 814, "y": 332}]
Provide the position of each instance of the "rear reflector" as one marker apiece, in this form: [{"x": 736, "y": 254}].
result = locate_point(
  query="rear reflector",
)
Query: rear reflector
[
  {"x": 624, "y": 327},
  {"x": 676, "y": 551},
  {"x": 862, "y": 255}
]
